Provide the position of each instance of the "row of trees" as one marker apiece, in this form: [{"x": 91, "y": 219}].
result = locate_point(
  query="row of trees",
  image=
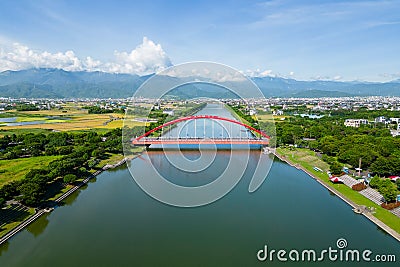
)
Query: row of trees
[
  {"x": 99, "y": 110},
  {"x": 378, "y": 150},
  {"x": 78, "y": 150},
  {"x": 26, "y": 107}
]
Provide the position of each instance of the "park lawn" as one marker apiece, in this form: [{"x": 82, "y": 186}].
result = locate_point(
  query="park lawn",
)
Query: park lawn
[
  {"x": 15, "y": 169},
  {"x": 305, "y": 157},
  {"x": 110, "y": 158},
  {"x": 308, "y": 160}
]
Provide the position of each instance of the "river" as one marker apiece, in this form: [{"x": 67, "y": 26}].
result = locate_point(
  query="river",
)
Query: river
[{"x": 112, "y": 222}]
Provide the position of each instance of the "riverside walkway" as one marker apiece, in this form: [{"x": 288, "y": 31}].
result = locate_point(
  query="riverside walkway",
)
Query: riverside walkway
[
  {"x": 368, "y": 215},
  {"x": 21, "y": 226},
  {"x": 40, "y": 212}
]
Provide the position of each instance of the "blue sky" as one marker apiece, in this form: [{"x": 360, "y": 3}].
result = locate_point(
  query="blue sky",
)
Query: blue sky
[{"x": 343, "y": 40}]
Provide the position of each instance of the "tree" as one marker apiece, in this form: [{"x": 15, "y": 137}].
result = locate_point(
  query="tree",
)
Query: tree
[
  {"x": 375, "y": 182},
  {"x": 8, "y": 191},
  {"x": 336, "y": 168},
  {"x": 70, "y": 178},
  {"x": 2, "y": 201},
  {"x": 389, "y": 193},
  {"x": 386, "y": 166},
  {"x": 31, "y": 192}
]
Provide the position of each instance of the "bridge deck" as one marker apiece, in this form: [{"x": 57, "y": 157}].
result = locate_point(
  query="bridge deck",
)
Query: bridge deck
[{"x": 197, "y": 141}]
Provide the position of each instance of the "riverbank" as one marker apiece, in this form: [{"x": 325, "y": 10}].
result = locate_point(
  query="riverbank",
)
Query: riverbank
[
  {"x": 382, "y": 218},
  {"x": 59, "y": 199}
]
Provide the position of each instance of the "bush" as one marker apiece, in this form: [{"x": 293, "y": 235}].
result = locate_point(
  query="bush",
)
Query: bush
[
  {"x": 70, "y": 178},
  {"x": 359, "y": 186},
  {"x": 390, "y": 206}
]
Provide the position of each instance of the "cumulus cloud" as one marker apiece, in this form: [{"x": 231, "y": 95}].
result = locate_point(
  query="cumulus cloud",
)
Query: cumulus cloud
[
  {"x": 146, "y": 58},
  {"x": 18, "y": 56}
]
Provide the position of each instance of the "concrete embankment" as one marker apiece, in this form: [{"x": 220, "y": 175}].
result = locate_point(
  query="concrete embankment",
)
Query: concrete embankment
[
  {"x": 39, "y": 213},
  {"x": 368, "y": 215}
]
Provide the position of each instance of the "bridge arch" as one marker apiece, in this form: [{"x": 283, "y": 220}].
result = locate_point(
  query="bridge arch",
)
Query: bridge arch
[{"x": 264, "y": 135}]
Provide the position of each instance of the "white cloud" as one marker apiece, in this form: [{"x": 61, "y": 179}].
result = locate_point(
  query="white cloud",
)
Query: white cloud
[
  {"x": 205, "y": 71},
  {"x": 146, "y": 58},
  {"x": 17, "y": 56},
  {"x": 259, "y": 73}
]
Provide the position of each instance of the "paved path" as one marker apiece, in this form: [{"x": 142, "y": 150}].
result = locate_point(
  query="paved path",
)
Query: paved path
[
  {"x": 368, "y": 215},
  {"x": 396, "y": 211},
  {"x": 373, "y": 195},
  {"x": 369, "y": 192},
  {"x": 349, "y": 181},
  {"x": 21, "y": 226}
]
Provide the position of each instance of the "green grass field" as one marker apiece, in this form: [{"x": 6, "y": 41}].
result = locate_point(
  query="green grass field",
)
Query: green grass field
[
  {"x": 15, "y": 169},
  {"x": 308, "y": 160}
]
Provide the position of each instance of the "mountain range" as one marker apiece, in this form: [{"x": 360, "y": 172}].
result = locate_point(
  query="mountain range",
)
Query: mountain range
[{"x": 58, "y": 83}]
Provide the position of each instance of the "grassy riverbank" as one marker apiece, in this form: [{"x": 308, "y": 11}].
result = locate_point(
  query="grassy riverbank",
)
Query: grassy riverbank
[
  {"x": 57, "y": 190},
  {"x": 234, "y": 114},
  {"x": 307, "y": 159}
]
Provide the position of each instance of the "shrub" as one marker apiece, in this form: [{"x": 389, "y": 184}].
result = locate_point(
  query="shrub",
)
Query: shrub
[
  {"x": 390, "y": 206},
  {"x": 70, "y": 178},
  {"x": 359, "y": 186}
]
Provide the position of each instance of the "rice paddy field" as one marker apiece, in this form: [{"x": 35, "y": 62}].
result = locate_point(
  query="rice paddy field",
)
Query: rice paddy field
[{"x": 68, "y": 119}]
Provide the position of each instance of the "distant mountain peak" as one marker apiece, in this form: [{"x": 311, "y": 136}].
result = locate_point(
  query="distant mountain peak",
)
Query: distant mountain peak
[{"x": 49, "y": 82}]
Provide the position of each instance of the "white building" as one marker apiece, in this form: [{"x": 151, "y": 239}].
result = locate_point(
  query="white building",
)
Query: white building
[
  {"x": 381, "y": 119},
  {"x": 395, "y": 120},
  {"x": 355, "y": 122},
  {"x": 169, "y": 112}
]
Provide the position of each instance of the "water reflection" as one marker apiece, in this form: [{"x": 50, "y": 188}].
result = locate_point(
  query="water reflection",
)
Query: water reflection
[{"x": 38, "y": 228}]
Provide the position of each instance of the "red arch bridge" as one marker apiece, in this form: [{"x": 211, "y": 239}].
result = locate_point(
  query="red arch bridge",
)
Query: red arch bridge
[{"x": 145, "y": 140}]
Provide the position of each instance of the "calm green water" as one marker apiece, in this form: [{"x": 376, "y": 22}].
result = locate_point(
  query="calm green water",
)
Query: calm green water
[{"x": 112, "y": 222}]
